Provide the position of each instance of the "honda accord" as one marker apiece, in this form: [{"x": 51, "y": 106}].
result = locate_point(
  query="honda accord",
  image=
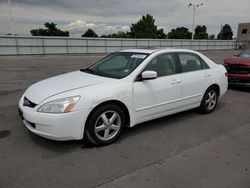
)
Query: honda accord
[{"x": 123, "y": 89}]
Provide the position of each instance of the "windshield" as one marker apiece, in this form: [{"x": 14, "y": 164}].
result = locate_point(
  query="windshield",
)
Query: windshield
[
  {"x": 245, "y": 53},
  {"x": 117, "y": 65}
]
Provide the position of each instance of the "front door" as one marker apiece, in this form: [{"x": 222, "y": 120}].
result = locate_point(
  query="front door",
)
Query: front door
[{"x": 157, "y": 97}]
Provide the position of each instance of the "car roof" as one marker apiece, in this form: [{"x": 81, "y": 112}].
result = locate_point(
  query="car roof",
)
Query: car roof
[
  {"x": 147, "y": 51},
  {"x": 150, "y": 51}
]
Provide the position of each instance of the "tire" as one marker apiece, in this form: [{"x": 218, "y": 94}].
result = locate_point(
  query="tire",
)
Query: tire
[
  {"x": 105, "y": 125},
  {"x": 209, "y": 100}
]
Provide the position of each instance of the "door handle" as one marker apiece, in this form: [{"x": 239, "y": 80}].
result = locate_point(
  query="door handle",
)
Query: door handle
[
  {"x": 206, "y": 75},
  {"x": 175, "y": 82}
]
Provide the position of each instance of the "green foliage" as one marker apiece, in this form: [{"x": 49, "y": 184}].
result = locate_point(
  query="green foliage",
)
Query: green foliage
[
  {"x": 201, "y": 32},
  {"x": 89, "y": 33},
  {"x": 161, "y": 34},
  {"x": 212, "y": 37},
  {"x": 50, "y": 30},
  {"x": 180, "y": 33},
  {"x": 226, "y": 33},
  {"x": 119, "y": 34},
  {"x": 146, "y": 28}
]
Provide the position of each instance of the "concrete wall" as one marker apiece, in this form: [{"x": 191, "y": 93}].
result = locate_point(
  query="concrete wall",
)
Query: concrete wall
[{"x": 68, "y": 45}]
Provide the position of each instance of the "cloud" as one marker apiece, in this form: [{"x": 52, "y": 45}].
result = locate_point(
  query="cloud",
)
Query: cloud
[
  {"x": 113, "y": 15},
  {"x": 80, "y": 26}
]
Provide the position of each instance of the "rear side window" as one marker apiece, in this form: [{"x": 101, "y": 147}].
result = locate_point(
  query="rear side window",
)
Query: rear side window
[
  {"x": 191, "y": 62},
  {"x": 163, "y": 64}
]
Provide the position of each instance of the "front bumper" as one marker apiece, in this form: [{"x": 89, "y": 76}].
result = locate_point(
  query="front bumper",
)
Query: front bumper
[
  {"x": 67, "y": 126},
  {"x": 239, "y": 79}
]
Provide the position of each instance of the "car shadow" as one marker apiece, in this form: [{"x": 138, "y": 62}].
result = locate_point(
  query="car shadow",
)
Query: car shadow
[
  {"x": 68, "y": 146},
  {"x": 239, "y": 88},
  {"x": 55, "y": 146},
  {"x": 73, "y": 145},
  {"x": 157, "y": 123}
]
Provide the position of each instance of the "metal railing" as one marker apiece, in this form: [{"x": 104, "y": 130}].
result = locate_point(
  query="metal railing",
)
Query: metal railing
[{"x": 18, "y": 45}]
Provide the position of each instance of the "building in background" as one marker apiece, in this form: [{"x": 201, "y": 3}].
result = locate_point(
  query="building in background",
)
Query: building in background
[
  {"x": 243, "y": 36},
  {"x": 243, "y": 32}
]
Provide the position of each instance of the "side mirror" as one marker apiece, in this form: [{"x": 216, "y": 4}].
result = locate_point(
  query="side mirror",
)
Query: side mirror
[
  {"x": 235, "y": 55},
  {"x": 149, "y": 75}
]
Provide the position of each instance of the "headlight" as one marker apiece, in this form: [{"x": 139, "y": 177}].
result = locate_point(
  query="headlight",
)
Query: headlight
[{"x": 60, "y": 105}]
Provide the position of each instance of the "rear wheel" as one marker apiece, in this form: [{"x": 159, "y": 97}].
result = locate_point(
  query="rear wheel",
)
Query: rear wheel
[
  {"x": 105, "y": 125},
  {"x": 209, "y": 101}
]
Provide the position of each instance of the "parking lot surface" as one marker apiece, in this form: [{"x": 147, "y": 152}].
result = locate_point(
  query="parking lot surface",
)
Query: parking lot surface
[{"x": 182, "y": 150}]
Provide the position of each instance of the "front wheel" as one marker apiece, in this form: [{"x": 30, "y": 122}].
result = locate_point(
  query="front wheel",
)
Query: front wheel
[
  {"x": 209, "y": 100},
  {"x": 105, "y": 125}
]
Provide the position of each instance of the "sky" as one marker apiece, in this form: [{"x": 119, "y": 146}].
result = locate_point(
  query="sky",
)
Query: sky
[{"x": 109, "y": 16}]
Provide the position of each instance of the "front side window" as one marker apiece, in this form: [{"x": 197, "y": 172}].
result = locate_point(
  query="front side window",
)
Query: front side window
[
  {"x": 163, "y": 64},
  {"x": 117, "y": 65},
  {"x": 190, "y": 62}
]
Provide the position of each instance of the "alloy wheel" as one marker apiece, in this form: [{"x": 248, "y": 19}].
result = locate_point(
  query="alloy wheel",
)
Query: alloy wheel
[
  {"x": 107, "y": 125},
  {"x": 211, "y": 100}
]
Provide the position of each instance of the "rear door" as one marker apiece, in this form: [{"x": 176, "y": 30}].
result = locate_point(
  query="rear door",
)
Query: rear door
[{"x": 195, "y": 78}]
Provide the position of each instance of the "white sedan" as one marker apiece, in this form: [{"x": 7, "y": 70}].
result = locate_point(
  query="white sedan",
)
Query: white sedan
[{"x": 123, "y": 89}]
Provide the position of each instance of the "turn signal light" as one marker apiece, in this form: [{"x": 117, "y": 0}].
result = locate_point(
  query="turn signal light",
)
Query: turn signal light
[{"x": 69, "y": 107}]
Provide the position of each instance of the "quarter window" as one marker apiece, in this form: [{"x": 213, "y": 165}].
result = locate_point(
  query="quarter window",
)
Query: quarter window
[
  {"x": 204, "y": 64},
  {"x": 163, "y": 64},
  {"x": 190, "y": 62}
]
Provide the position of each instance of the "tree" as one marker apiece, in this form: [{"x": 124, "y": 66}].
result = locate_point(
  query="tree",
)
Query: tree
[
  {"x": 119, "y": 34},
  {"x": 145, "y": 28},
  {"x": 89, "y": 33},
  {"x": 201, "y": 32},
  {"x": 180, "y": 33},
  {"x": 226, "y": 33},
  {"x": 161, "y": 34},
  {"x": 51, "y": 27},
  {"x": 212, "y": 37},
  {"x": 122, "y": 34},
  {"x": 50, "y": 30}
]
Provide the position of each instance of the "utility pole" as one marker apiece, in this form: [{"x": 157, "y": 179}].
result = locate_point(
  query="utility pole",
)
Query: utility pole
[
  {"x": 220, "y": 31},
  {"x": 11, "y": 19},
  {"x": 194, "y": 9}
]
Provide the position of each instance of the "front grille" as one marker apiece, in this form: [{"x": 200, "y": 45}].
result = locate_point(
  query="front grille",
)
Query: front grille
[
  {"x": 28, "y": 103},
  {"x": 238, "y": 80},
  {"x": 237, "y": 69}
]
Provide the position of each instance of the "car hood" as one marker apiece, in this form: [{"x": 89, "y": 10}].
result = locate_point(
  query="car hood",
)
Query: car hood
[
  {"x": 62, "y": 83},
  {"x": 238, "y": 60}
]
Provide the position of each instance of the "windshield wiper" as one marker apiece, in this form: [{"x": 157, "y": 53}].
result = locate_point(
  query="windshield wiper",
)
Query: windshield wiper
[{"x": 88, "y": 70}]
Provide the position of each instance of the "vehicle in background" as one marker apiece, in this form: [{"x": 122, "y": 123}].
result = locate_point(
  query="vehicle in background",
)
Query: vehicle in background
[
  {"x": 238, "y": 69},
  {"x": 123, "y": 89}
]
